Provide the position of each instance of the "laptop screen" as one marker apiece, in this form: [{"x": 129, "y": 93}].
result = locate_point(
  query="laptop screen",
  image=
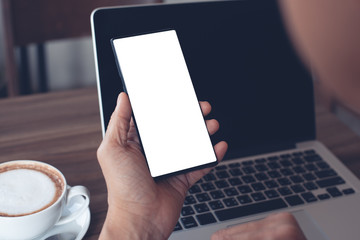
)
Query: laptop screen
[{"x": 240, "y": 60}]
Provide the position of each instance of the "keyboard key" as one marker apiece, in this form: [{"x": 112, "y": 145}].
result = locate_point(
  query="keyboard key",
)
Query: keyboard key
[
  {"x": 313, "y": 158},
  {"x": 206, "y": 218},
  {"x": 286, "y": 171},
  {"x": 294, "y": 200},
  {"x": 189, "y": 222},
  {"x": 261, "y": 176},
  {"x": 310, "y": 186},
  {"x": 235, "y": 181},
  {"x": 258, "y": 186},
  {"x": 221, "y": 167},
  {"x": 271, "y": 184},
  {"x": 261, "y": 167},
  {"x": 274, "y": 174},
  {"x": 297, "y": 188},
  {"x": 271, "y": 193},
  {"x": 297, "y": 154},
  {"x": 325, "y": 173},
  {"x": 330, "y": 182},
  {"x": 235, "y": 172},
  {"x": 273, "y": 158},
  {"x": 309, "y": 176},
  {"x": 248, "y": 163},
  {"x": 273, "y": 165},
  {"x": 311, "y": 167},
  {"x": 207, "y": 186},
  {"x": 334, "y": 192},
  {"x": 297, "y": 161},
  {"x": 244, "y": 199},
  {"x": 248, "y": 179},
  {"x": 234, "y": 165},
  {"x": 187, "y": 210},
  {"x": 178, "y": 227},
  {"x": 286, "y": 163},
  {"x": 189, "y": 200},
  {"x": 323, "y": 196},
  {"x": 285, "y": 156},
  {"x": 310, "y": 152},
  {"x": 202, "y": 207},
  {"x": 209, "y": 177},
  {"x": 231, "y": 192},
  {"x": 299, "y": 169},
  {"x": 202, "y": 197},
  {"x": 248, "y": 170},
  {"x": 217, "y": 194},
  {"x": 296, "y": 179},
  {"x": 284, "y": 181},
  {"x": 221, "y": 184},
  {"x": 260, "y": 160},
  {"x": 214, "y": 205},
  {"x": 258, "y": 196},
  {"x": 195, "y": 189},
  {"x": 323, "y": 165},
  {"x": 348, "y": 191},
  {"x": 222, "y": 174},
  {"x": 200, "y": 181},
  {"x": 285, "y": 191},
  {"x": 230, "y": 202},
  {"x": 309, "y": 197},
  {"x": 250, "y": 209},
  {"x": 244, "y": 189}
]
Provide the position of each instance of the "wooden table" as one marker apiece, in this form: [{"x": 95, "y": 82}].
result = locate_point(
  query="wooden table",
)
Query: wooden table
[{"x": 63, "y": 129}]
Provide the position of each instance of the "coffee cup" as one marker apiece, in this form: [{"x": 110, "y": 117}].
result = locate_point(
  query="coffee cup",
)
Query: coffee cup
[{"x": 32, "y": 197}]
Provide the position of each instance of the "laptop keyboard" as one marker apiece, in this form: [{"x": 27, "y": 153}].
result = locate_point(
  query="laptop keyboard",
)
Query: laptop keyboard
[{"x": 239, "y": 189}]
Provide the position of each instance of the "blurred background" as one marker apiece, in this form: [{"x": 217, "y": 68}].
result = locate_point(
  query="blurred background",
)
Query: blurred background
[{"x": 70, "y": 65}]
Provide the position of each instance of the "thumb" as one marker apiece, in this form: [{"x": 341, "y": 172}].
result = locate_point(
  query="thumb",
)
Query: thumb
[{"x": 119, "y": 124}]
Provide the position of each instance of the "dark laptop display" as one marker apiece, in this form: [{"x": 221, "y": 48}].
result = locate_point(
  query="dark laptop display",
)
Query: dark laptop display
[
  {"x": 230, "y": 49},
  {"x": 241, "y": 60}
]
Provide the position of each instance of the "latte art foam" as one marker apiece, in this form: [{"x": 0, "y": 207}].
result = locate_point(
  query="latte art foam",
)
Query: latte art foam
[{"x": 26, "y": 191}]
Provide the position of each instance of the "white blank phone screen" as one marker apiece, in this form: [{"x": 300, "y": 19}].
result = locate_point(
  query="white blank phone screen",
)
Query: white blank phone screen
[{"x": 166, "y": 110}]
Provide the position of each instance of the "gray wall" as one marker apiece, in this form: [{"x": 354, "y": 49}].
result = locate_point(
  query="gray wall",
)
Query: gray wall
[{"x": 70, "y": 62}]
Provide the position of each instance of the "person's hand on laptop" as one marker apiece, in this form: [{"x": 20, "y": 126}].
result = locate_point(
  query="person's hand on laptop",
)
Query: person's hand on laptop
[
  {"x": 139, "y": 207},
  {"x": 280, "y": 226}
]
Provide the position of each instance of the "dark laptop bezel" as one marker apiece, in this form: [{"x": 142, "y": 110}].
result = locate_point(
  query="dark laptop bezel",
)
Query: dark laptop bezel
[{"x": 108, "y": 23}]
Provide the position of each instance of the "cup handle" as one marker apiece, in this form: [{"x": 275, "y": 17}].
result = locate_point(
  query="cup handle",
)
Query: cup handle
[{"x": 71, "y": 193}]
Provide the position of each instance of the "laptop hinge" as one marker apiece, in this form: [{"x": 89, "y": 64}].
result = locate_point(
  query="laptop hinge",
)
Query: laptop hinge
[{"x": 258, "y": 150}]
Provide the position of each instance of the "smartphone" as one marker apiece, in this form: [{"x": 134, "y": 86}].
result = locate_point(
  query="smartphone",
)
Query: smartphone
[{"x": 166, "y": 111}]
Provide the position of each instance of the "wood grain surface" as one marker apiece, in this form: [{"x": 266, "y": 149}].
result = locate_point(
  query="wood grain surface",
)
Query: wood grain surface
[{"x": 63, "y": 129}]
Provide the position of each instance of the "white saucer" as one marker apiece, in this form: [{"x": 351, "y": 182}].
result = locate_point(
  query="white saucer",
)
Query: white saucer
[{"x": 74, "y": 230}]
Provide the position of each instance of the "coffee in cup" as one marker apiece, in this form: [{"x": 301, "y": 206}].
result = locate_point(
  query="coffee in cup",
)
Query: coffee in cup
[
  {"x": 28, "y": 188},
  {"x": 32, "y": 197}
]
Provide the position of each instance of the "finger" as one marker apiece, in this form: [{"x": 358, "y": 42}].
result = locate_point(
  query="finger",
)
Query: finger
[
  {"x": 212, "y": 126},
  {"x": 268, "y": 226},
  {"x": 133, "y": 134},
  {"x": 239, "y": 229},
  {"x": 220, "y": 150},
  {"x": 119, "y": 123},
  {"x": 205, "y": 107}
]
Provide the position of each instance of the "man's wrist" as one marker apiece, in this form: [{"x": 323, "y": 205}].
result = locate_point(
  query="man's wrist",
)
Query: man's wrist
[{"x": 122, "y": 225}]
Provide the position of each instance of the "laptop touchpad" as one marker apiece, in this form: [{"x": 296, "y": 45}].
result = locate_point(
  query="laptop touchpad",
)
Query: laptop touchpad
[{"x": 309, "y": 226}]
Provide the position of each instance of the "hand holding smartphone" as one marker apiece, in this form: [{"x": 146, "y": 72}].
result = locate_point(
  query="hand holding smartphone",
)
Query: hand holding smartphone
[{"x": 166, "y": 111}]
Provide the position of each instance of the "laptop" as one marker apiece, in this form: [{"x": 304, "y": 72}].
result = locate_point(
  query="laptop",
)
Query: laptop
[{"x": 241, "y": 60}]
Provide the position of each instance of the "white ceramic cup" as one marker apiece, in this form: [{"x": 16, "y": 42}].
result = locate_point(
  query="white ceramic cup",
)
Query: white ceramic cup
[{"x": 37, "y": 224}]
